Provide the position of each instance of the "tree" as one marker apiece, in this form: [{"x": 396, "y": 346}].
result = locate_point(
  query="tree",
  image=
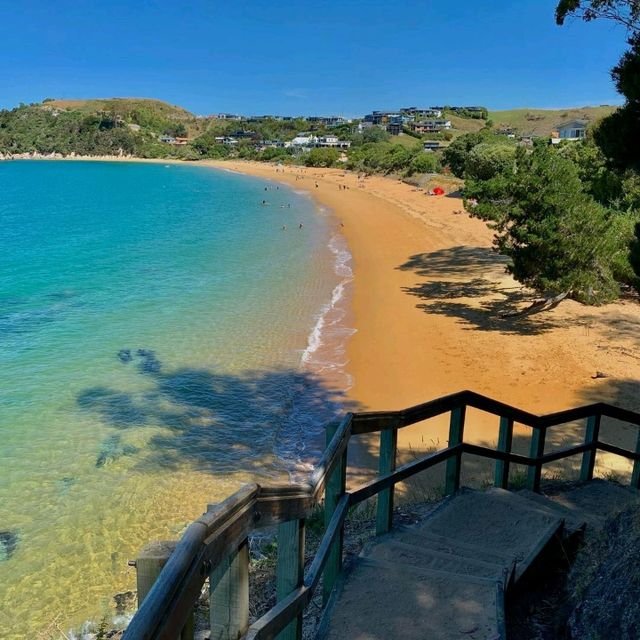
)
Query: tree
[
  {"x": 618, "y": 135},
  {"x": 485, "y": 160},
  {"x": 455, "y": 155},
  {"x": 624, "y": 12},
  {"x": 424, "y": 162},
  {"x": 322, "y": 157},
  {"x": 558, "y": 238},
  {"x": 603, "y": 183}
]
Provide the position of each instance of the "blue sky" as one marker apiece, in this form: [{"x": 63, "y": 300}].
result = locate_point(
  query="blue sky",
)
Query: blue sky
[{"x": 300, "y": 57}]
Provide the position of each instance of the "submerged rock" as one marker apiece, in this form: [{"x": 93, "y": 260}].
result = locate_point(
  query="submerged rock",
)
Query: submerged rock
[
  {"x": 124, "y": 355},
  {"x": 8, "y": 544},
  {"x": 112, "y": 449},
  {"x": 149, "y": 361}
]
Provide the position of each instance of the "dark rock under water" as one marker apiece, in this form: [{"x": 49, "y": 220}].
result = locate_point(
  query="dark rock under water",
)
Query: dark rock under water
[
  {"x": 8, "y": 544},
  {"x": 149, "y": 361},
  {"x": 112, "y": 449},
  {"x": 124, "y": 355}
]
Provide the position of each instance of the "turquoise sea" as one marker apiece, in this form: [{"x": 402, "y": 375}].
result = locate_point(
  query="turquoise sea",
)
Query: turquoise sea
[{"x": 163, "y": 339}]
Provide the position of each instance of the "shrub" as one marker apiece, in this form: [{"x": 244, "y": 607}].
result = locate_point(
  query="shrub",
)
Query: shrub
[
  {"x": 322, "y": 157},
  {"x": 484, "y": 161}
]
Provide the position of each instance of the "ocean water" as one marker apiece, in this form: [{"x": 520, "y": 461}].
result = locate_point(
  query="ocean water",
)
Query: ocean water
[{"x": 162, "y": 340}]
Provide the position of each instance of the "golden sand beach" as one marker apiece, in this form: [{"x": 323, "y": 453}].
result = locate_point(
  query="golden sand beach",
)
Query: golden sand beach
[{"x": 428, "y": 294}]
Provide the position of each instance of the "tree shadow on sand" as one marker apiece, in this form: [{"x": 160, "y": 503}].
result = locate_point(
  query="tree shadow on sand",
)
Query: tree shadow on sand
[
  {"x": 216, "y": 422},
  {"x": 464, "y": 282}
]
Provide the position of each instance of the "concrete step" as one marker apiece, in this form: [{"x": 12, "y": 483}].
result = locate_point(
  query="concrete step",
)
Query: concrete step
[
  {"x": 492, "y": 519},
  {"x": 383, "y": 601},
  {"x": 596, "y": 501},
  {"x": 428, "y": 540},
  {"x": 574, "y": 521},
  {"x": 402, "y": 553}
]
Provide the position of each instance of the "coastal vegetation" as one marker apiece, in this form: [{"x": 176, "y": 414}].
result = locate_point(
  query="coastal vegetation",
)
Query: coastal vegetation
[{"x": 568, "y": 215}]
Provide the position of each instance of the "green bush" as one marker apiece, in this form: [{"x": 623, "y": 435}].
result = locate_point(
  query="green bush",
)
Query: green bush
[
  {"x": 322, "y": 157},
  {"x": 424, "y": 162},
  {"x": 485, "y": 160}
]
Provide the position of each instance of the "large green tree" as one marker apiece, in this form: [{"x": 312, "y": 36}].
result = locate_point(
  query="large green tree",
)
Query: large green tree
[
  {"x": 618, "y": 135},
  {"x": 560, "y": 240}
]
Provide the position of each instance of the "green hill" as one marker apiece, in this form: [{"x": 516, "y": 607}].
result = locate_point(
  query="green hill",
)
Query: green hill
[
  {"x": 120, "y": 106},
  {"x": 543, "y": 121}
]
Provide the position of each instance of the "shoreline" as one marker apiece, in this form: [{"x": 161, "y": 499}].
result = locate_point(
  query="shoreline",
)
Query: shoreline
[{"x": 427, "y": 290}]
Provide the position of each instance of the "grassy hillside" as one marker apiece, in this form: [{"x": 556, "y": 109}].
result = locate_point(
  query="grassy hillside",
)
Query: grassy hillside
[
  {"x": 543, "y": 121},
  {"x": 464, "y": 125},
  {"x": 121, "y": 106},
  {"x": 405, "y": 140}
]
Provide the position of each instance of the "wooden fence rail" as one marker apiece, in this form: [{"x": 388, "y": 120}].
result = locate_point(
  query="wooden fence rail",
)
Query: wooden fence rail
[{"x": 215, "y": 547}]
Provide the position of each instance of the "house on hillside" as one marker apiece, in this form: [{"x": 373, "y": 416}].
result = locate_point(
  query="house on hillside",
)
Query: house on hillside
[
  {"x": 381, "y": 117},
  {"x": 572, "y": 130},
  {"x": 302, "y": 140},
  {"x": 332, "y": 141},
  {"x": 416, "y": 112},
  {"x": 167, "y": 139},
  {"x": 431, "y": 145},
  {"x": 430, "y": 126}
]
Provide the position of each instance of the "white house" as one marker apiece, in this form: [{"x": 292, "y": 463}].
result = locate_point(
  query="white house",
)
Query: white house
[
  {"x": 303, "y": 140},
  {"x": 332, "y": 141},
  {"x": 573, "y": 130}
]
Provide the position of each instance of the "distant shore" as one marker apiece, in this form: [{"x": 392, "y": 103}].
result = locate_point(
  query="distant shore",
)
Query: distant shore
[{"x": 427, "y": 293}]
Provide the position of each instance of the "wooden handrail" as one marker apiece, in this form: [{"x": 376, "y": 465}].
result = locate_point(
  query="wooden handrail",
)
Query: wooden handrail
[{"x": 225, "y": 527}]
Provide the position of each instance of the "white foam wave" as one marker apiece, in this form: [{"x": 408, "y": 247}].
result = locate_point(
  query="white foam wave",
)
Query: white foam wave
[{"x": 330, "y": 319}]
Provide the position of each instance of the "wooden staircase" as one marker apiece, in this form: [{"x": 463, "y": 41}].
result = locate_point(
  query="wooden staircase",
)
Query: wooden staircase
[{"x": 446, "y": 577}]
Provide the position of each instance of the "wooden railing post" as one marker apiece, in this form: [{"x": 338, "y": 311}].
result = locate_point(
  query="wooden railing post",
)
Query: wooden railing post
[
  {"x": 534, "y": 473},
  {"x": 290, "y": 570},
  {"x": 335, "y": 489},
  {"x": 635, "y": 475},
  {"x": 505, "y": 439},
  {"x": 589, "y": 457},
  {"x": 386, "y": 464},
  {"x": 148, "y": 567},
  {"x": 229, "y": 596},
  {"x": 456, "y": 435}
]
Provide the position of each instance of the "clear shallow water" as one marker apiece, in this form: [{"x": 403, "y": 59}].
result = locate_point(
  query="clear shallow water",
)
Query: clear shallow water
[{"x": 158, "y": 336}]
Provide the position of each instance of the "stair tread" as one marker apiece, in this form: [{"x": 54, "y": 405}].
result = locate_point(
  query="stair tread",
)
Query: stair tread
[
  {"x": 596, "y": 501},
  {"x": 420, "y": 557},
  {"x": 446, "y": 544},
  {"x": 573, "y": 520},
  {"x": 380, "y": 601},
  {"x": 512, "y": 526}
]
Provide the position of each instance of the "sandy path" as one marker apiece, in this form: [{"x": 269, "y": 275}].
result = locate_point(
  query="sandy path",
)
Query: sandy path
[{"x": 427, "y": 292}]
